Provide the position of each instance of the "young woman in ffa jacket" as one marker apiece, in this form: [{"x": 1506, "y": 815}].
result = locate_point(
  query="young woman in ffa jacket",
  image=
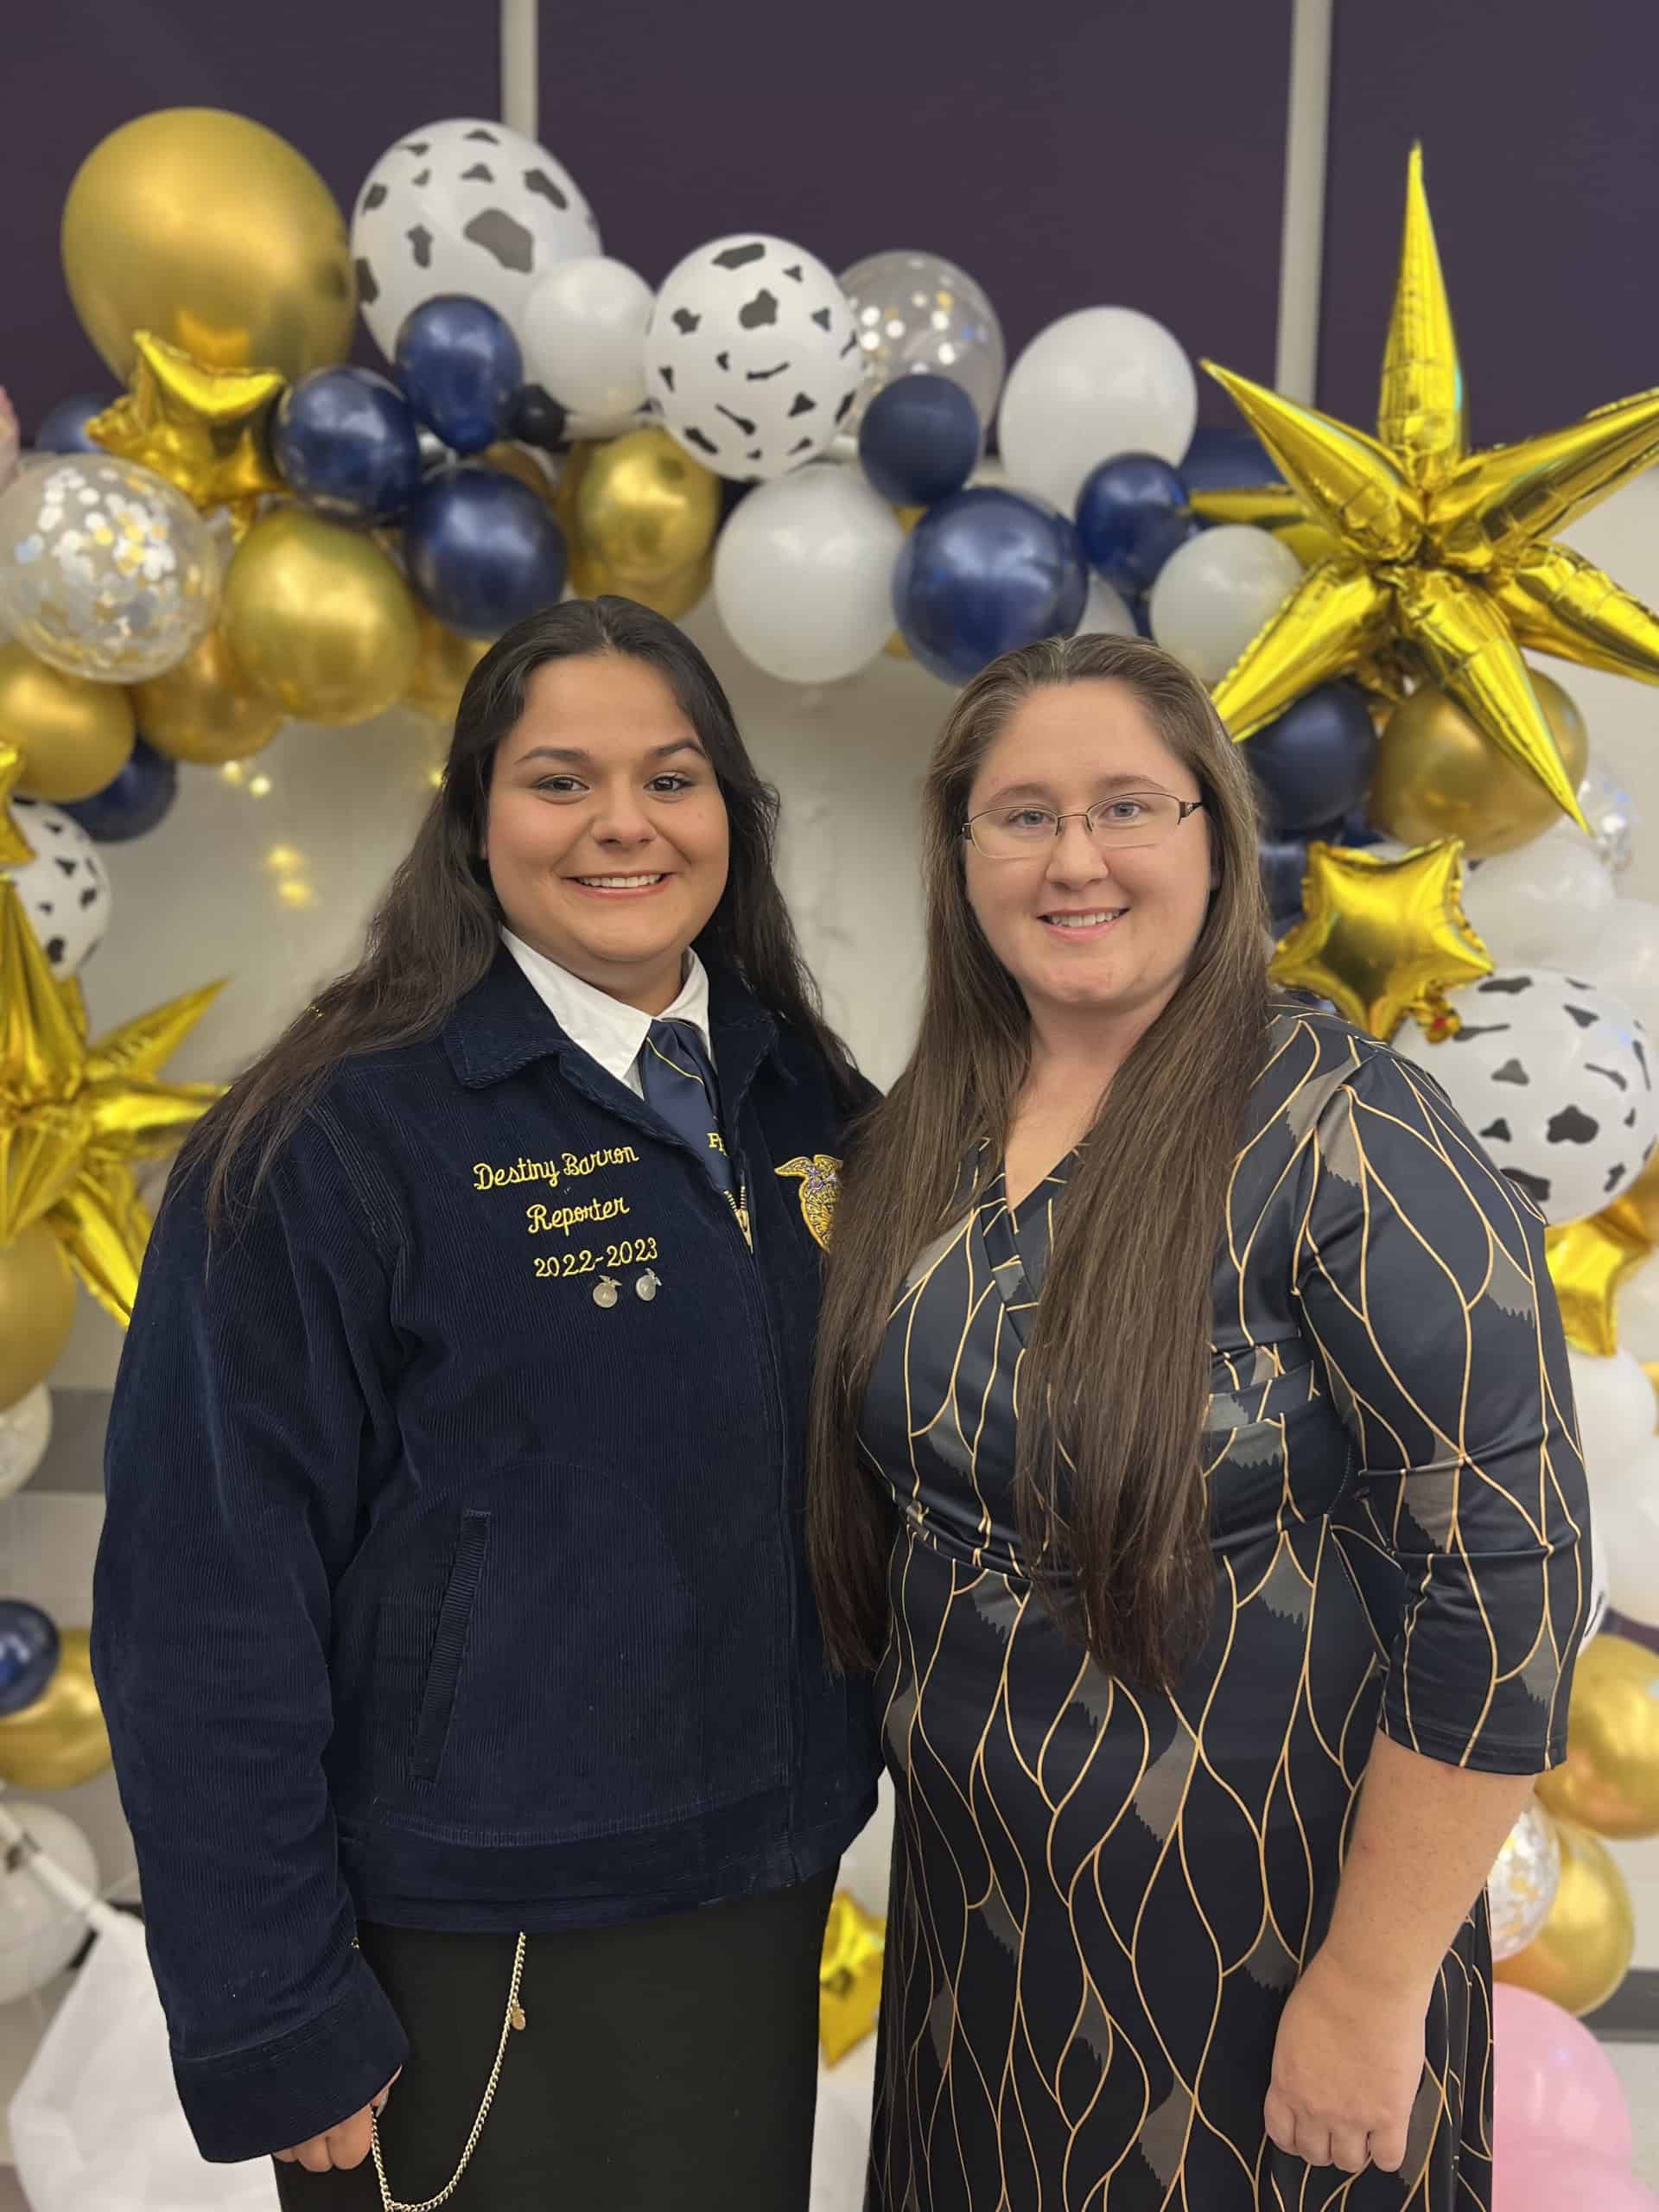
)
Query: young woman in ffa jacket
[{"x": 453, "y": 1624}]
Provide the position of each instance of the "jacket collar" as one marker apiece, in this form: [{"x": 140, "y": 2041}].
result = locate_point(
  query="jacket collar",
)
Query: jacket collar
[{"x": 502, "y": 1026}]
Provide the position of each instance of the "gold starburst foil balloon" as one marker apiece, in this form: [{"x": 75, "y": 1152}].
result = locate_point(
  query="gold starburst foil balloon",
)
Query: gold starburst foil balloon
[
  {"x": 1591, "y": 1260},
  {"x": 75, "y": 1115},
  {"x": 1446, "y": 557},
  {"x": 849, "y": 1977},
  {"x": 207, "y": 430},
  {"x": 1382, "y": 938}
]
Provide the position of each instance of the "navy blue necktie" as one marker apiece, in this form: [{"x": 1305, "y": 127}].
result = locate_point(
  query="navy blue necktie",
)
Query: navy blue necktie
[{"x": 678, "y": 1080}]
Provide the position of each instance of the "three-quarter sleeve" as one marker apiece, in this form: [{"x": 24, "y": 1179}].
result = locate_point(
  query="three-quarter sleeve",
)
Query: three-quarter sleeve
[
  {"x": 252, "y": 1391},
  {"x": 1420, "y": 1276}
]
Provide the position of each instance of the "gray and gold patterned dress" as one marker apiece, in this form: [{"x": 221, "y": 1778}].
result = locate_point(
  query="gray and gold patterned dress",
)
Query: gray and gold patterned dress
[{"x": 1101, "y": 1897}]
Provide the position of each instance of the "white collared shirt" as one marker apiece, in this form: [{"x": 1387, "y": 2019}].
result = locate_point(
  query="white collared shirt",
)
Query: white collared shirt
[{"x": 607, "y": 1029}]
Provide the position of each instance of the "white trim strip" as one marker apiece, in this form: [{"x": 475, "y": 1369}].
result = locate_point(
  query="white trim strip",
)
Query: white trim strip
[
  {"x": 520, "y": 83},
  {"x": 1301, "y": 245}
]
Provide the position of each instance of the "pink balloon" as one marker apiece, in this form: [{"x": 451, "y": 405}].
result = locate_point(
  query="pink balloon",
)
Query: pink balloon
[
  {"x": 1568, "y": 2180},
  {"x": 1556, "y": 2092}
]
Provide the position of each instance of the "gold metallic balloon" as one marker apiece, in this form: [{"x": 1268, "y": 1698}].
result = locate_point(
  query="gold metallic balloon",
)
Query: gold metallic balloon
[
  {"x": 319, "y": 619},
  {"x": 849, "y": 1977},
  {"x": 442, "y": 665},
  {"x": 1445, "y": 555},
  {"x": 1611, "y": 1781},
  {"x": 1437, "y": 777},
  {"x": 75, "y": 736},
  {"x": 898, "y": 645},
  {"x": 16, "y": 851},
  {"x": 60, "y": 1739},
  {"x": 37, "y": 1306},
  {"x": 207, "y": 430},
  {"x": 1382, "y": 938},
  {"x": 214, "y": 233},
  {"x": 671, "y": 598},
  {"x": 205, "y": 709},
  {"x": 75, "y": 1115},
  {"x": 1588, "y": 1941},
  {"x": 644, "y": 509}
]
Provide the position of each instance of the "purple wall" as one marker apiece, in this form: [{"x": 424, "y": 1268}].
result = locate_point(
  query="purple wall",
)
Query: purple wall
[
  {"x": 1075, "y": 155},
  {"x": 1539, "y": 124}
]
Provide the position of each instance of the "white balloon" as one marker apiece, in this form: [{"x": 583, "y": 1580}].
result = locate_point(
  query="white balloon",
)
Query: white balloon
[
  {"x": 1100, "y": 382},
  {"x": 1637, "y": 1314},
  {"x": 1214, "y": 594},
  {"x": 1556, "y": 1079},
  {"x": 803, "y": 575},
  {"x": 1106, "y": 613},
  {"x": 584, "y": 335},
  {"x": 25, "y": 1432},
  {"x": 464, "y": 206},
  {"x": 39, "y": 1934},
  {"x": 1617, "y": 1415},
  {"x": 1626, "y": 1536},
  {"x": 1626, "y": 956},
  {"x": 65, "y": 889},
  {"x": 1599, "y": 1595},
  {"x": 751, "y": 359},
  {"x": 1544, "y": 906}
]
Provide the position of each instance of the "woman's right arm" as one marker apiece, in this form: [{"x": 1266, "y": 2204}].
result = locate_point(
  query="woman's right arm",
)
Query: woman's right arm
[{"x": 254, "y": 1385}]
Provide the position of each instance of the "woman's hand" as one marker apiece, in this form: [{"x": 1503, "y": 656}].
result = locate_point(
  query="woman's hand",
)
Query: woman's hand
[
  {"x": 1346, "y": 2068},
  {"x": 345, "y": 2144}
]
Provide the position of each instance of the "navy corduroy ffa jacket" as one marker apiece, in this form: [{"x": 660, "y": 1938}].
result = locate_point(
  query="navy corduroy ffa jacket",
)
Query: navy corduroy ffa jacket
[{"x": 435, "y": 1592}]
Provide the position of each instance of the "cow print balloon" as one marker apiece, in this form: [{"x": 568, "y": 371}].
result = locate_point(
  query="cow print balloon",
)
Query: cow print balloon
[
  {"x": 751, "y": 359},
  {"x": 1555, "y": 1078},
  {"x": 64, "y": 890},
  {"x": 462, "y": 207}
]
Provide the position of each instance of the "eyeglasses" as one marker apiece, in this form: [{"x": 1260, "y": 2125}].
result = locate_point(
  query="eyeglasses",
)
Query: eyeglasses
[{"x": 1131, "y": 821}]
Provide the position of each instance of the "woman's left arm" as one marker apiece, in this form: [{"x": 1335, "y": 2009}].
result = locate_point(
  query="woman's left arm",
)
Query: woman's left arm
[{"x": 1422, "y": 1279}]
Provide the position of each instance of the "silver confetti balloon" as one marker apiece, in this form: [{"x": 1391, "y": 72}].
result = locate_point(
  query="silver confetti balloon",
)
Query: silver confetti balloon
[
  {"x": 1612, "y": 816},
  {"x": 1523, "y": 1883},
  {"x": 917, "y": 314}
]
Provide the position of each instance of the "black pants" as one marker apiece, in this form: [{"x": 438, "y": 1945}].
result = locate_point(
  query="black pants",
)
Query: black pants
[{"x": 666, "y": 2065}]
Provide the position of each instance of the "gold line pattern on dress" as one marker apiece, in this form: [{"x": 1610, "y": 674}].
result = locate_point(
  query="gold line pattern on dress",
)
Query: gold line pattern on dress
[{"x": 1100, "y": 1896}]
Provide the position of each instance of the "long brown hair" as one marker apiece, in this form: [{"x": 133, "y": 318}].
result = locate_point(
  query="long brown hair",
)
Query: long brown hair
[
  {"x": 438, "y": 926},
  {"x": 1120, "y": 1351}
]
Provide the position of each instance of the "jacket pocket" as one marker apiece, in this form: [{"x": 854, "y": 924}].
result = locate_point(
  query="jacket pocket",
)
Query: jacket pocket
[{"x": 449, "y": 1647}]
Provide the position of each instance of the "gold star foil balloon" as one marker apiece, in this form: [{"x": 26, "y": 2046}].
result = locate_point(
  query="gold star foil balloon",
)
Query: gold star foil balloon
[
  {"x": 1382, "y": 938},
  {"x": 76, "y": 1115},
  {"x": 1443, "y": 558},
  {"x": 16, "y": 851},
  {"x": 849, "y": 1977},
  {"x": 205, "y": 429},
  {"x": 1591, "y": 1260}
]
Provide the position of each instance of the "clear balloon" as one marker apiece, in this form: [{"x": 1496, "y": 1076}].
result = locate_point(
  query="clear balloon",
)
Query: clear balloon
[
  {"x": 1522, "y": 1884},
  {"x": 803, "y": 575},
  {"x": 1214, "y": 594},
  {"x": 917, "y": 313},
  {"x": 25, "y": 1432},
  {"x": 465, "y": 206},
  {"x": 1546, "y": 903},
  {"x": 1612, "y": 814},
  {"x": 1100, "y": 382},
  {"x": 584, "y": 336},
  {"x": 1556, "y": 1079},
  {"x": 106, "y": 570},
  {"x": 39, "y": 1933},
  {"x": 65, "y": 889},
  {"x": 750, "y": 358}
]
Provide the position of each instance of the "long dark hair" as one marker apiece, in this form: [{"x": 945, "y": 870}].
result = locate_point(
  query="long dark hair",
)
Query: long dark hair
[
  {"x": 1116, "y": 1540},
  {"x": 438, "y": 926}
]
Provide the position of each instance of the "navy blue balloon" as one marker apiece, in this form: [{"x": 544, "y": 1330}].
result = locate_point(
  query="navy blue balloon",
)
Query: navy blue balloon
[
  {"x": 28, "y": 1654},
  {"x": 1359, "y": 830},
  {"x": 1132, "y": 514},
  {"x": 482, "y": 550},
  {"x": 63, "y": 427},
  {"x": 134, "y": 802},
  {"x": 982, "y": 573},
  {"x": 1284, "y": 863},
  {"x": 919, "y": 440},
  {"x": 461, "y": 366},
  {"x": 1230, "y": 459},
  {"x": 345, "y": 441},
  {"x": 1313, "y": 764}
]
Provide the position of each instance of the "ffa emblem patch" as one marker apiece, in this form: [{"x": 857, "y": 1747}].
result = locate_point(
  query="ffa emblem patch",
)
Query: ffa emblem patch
[{"x": 820, "y": 1181}]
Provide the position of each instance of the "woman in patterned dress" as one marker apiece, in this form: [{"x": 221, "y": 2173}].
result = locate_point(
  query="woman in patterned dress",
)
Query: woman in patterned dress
[{"x": 1195, "y": 1453}]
